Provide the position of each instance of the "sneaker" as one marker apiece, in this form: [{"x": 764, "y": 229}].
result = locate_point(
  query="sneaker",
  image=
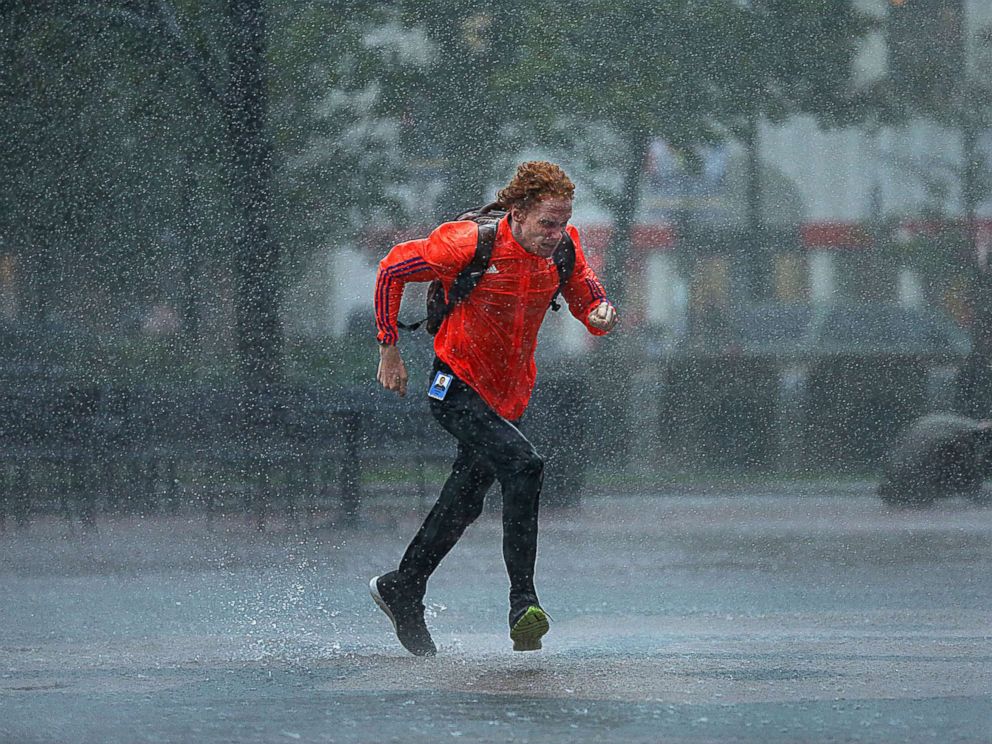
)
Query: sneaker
[
  {"x": 406, "y": 615},
  {"x": 527, "y": 625}
]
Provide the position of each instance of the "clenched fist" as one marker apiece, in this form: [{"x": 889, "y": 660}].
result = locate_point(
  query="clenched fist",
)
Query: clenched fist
[{"x": 603, "y": 317}]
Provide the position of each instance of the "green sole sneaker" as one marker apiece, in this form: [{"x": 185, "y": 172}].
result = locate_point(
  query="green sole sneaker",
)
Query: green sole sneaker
[{"x": 526, "y": 633}]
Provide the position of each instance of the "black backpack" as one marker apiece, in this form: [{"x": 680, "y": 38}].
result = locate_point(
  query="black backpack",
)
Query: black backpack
[{"x": 487, "y": 218}]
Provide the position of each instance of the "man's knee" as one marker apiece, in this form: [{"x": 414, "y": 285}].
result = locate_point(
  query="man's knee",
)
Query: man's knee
[
  {"x": 532, "y": 465},
  {"x": 523, "y": 462}
]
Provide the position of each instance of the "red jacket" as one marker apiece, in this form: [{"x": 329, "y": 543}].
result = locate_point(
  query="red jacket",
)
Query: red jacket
[{"x": 488, "y": 340}]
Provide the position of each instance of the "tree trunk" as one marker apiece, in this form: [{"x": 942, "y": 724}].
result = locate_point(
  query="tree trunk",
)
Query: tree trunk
[
  {"x": 191, "y": 285},
  {"x": 257, "y": 257},
  {"x": 756, "y": 267},
  {"x": 618, "y": 252},
  {"x": 40, "y": 272},
  {"x": 980, "y": 291},
  {"x": 470, "y": 117}
]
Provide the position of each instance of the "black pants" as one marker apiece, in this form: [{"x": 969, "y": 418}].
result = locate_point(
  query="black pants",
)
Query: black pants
[{"x": 489, "y": 448}]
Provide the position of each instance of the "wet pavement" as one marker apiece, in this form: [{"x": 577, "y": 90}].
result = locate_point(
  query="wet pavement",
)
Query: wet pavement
[{"x": 807, "y": 614}]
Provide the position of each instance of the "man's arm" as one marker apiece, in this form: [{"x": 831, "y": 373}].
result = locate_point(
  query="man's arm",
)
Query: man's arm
[
  {"x": 441, "y": 255},
  {"x": 404, "y": 263},
  {"x": 585, "y": 295}
]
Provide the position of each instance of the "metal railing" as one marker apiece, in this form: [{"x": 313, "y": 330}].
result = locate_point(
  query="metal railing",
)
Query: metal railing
[{"x": 84, "y": 450}]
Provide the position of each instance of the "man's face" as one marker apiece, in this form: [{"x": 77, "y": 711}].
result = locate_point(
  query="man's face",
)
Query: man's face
[{"x": 539, "y": 229}]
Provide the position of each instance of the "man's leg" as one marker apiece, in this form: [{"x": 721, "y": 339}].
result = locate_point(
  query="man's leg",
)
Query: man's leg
[
  {"x": 489, "y": 446},
  {"x": 520, "y": 471},
  {"x": 400, "y": 593},
  {"x": 460, "y": 503}
]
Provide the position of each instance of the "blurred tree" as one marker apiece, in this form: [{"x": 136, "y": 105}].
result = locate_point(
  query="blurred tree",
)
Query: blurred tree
[
  {"x": 339, "y": 162},
  {"x": 689, "y": 72},
  {"x": 145, "y": 133},
  {"x": 787, "y": 58},
  {"x": 458, "y": 101},
  {"x": 939, "y": 70},
  {"x": 90, "y": 136},
  {"x": 927, "y": 58}
]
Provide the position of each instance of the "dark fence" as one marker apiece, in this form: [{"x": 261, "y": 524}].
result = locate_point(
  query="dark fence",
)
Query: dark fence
[
  {"x": 84, "y": 450},
  {"x": 795, "y": 388}
]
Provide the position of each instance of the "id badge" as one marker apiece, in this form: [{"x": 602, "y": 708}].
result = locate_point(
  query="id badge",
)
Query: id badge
[{"x": 439, "y": 388}]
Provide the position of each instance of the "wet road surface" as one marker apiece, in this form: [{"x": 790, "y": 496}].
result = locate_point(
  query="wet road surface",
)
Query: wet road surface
[{"x": 796, "y": 615}]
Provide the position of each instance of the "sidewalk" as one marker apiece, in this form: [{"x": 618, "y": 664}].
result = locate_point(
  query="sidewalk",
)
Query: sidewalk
[{"x": 712, "y": 617}]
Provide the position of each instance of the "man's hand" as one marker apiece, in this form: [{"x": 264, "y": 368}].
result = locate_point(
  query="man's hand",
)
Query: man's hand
[
  {"x": 392, "y": 372},
  {"x": 603, "y": 317}
]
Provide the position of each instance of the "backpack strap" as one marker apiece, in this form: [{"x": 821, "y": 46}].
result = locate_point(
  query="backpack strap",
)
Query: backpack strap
[
  {"x": 491, "y": 211},
  {"x": 438, "y": 306},
  {"x": 410, "y": 326},
  {"x": 564, "y": 258},
  {"x": 472, "y": 273}
]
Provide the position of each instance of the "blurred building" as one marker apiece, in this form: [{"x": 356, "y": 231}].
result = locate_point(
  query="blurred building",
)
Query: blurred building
[{"x": 832, "y": 200}]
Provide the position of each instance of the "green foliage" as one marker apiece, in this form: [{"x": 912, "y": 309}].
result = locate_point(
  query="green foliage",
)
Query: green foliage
[
  {"x": 118, "y": 157},
  {"x": 788, "y": 57},
  {"x": 691, "y": 72},
  {"x": 114, "y": 125},
  {"x": 99, "y": 150},
  {"x": 459, "y": 103},
  {"x": 338, "y": 157}
]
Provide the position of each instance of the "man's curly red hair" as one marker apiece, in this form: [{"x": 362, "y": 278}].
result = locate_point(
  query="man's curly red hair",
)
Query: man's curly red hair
[{"x": 535, "y": 181}]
